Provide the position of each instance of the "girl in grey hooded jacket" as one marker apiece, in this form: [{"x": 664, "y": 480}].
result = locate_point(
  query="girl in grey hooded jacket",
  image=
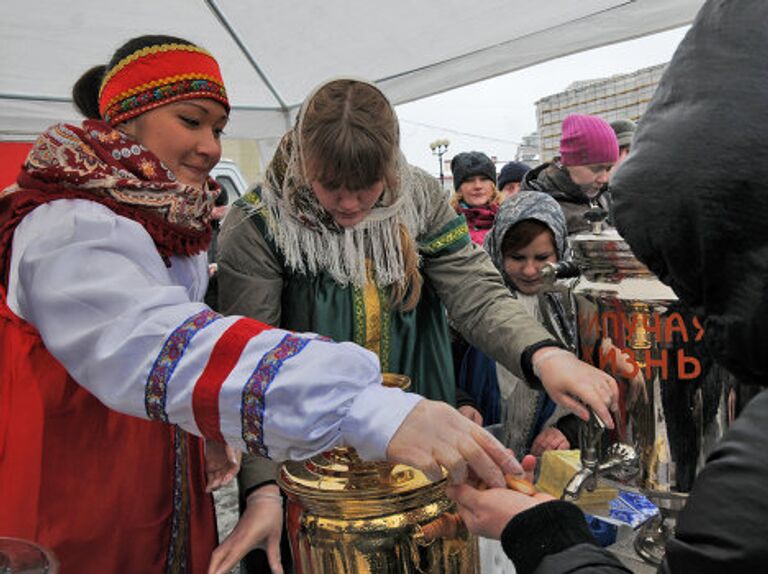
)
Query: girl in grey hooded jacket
[{"x": 529, "y": 232}]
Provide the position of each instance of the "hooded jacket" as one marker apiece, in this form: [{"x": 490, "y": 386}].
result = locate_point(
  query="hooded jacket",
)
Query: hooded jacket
[{"x": 526, "y": 411}]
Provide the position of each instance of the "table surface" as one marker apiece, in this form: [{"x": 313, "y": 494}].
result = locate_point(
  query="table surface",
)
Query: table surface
[
  {"x": 624, "y": 549},
  {"x": 625, "y": 538}
]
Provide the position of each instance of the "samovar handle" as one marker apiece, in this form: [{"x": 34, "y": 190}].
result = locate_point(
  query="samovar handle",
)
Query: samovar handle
[{"x": 446, "y": 526}]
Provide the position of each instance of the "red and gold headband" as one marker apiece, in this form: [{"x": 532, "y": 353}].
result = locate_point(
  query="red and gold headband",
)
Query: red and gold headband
[{"x": 158, "y": 75}]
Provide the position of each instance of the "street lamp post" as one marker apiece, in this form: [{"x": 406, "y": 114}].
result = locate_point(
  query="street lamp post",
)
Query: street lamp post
[{"x": 439, "y": 147}]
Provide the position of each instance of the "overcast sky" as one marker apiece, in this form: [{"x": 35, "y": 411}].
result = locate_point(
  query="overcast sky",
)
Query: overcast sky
[{"x": 502, "y": 110}]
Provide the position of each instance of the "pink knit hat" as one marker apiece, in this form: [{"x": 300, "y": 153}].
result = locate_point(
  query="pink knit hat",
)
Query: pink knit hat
[{"x": 587, "y": 140}]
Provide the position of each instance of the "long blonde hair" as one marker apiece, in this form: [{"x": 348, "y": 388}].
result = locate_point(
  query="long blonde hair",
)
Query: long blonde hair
[{"x": 350, "y": 137}]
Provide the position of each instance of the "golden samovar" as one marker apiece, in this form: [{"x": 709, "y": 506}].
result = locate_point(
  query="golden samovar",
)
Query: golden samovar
[{"x": 348, "y": 516}]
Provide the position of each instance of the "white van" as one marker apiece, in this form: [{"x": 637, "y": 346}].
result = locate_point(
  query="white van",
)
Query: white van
[{"x": 230, "y": 178}]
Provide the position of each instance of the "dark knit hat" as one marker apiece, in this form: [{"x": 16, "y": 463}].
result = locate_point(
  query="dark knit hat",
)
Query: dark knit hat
[
  {"x": 511, "y": 172},
  {"x": 624, "y": 130},
  {"x": 470, "y": 163},
  {"x": 587, "y": 140}
]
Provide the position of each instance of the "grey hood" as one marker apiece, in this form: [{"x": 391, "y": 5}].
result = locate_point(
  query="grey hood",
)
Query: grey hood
[{"x": 525, "y": 205}]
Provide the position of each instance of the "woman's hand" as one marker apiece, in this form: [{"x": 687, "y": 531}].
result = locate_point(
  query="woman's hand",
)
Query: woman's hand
[
  {"x": 472, "y": 414},
  {"x": 573, "y": 384},
  {"x": 549, "y": 439},
  {"x": 436, "y": 435},
  {"x": 260, "y": 526},
  {"x": 222, "y": 464},
  {"x": 487, "y": 512}
]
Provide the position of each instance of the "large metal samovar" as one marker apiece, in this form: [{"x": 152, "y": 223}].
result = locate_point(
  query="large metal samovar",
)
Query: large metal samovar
[
  {"x": 671, "y": 401},
  {"x": 347, "y": 516}
]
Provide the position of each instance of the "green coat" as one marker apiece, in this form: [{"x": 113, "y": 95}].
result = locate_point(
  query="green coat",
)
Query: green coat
[{"x": 458, "y": 276}]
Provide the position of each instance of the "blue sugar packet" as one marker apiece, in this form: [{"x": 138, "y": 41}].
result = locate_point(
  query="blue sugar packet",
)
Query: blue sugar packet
[
  {"x": 631, "y": 508},
  {"x": 639, "y": 502},
  {"x": 603, "y": 529}
]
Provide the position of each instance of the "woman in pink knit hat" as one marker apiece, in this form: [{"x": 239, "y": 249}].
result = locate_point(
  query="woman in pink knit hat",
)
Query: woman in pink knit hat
[{"x": 578, "y": 177}]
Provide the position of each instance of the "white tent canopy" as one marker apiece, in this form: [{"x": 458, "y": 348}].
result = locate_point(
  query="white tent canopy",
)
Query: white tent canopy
[{"x": 273, "y": 53}]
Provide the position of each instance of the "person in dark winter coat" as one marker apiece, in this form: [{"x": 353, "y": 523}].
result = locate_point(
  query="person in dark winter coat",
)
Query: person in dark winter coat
[
  {"x": 221, "y": 206},
  {"x": 477, "y": 199},
  {"x": 577, "y": 178},
  {"x": 511, "y": 177},
  {"x": 701, "y": 230},
  {"x": 625, "y": 133}
]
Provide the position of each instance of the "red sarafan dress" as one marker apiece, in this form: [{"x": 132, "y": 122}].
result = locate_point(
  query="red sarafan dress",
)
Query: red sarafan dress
[
  {"x": 100, "y": 488},
  {"x": 111, "y": 365},
  {"x": 105, "y": 491}
]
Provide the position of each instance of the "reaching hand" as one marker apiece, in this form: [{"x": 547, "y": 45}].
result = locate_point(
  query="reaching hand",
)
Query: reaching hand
[
  {"x": 222, "y": 464},
  {"x": 435, "y": 435},
  {"x": 574, "y": 384},
  {"x": 260, "y": 526},
  {"x": 472, "y": 414},
  {"x": 549, "y": 439},
  {"x": 487, "y": 512},
  {"x": 529, "y": 463}
]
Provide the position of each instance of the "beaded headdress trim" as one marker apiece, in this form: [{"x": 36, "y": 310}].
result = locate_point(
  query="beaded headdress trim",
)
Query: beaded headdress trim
[{"x": 158, "y": 75}]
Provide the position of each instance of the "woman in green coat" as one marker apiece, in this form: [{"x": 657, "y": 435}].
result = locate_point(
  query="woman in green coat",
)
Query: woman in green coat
[{"x": 346, "y": 239}]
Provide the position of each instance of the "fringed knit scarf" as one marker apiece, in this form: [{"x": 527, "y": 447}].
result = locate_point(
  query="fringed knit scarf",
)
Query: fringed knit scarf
[
  {"x": 311, "y": 241},
  {"x": 99, "y": 163}
]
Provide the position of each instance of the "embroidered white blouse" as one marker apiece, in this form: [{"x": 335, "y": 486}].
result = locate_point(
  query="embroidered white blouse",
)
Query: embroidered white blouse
[{"x": 134, "y": 333}]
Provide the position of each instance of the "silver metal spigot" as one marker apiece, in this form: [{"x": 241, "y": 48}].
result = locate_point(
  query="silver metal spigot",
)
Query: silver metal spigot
[
  {"x": 622, "y": 462},
  {"x": 551, "y": 272},
  {"x": 589, "y": 445}
]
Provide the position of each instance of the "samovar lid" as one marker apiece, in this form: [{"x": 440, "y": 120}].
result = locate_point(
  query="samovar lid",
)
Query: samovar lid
[
  {"x": 339, "y": 482},
  {"x": 608, "y": 266},
  {"x": 606, "y": 256}
]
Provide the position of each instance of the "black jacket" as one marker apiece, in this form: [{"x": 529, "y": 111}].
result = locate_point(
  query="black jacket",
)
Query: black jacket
[
  {"x": 552, "y": 179},
  {"x": 553, "y": 538},
  {"x": 691, "y": 199},
  {"x": 723, "y": 527},
  {"x": 692, "y": 202}
]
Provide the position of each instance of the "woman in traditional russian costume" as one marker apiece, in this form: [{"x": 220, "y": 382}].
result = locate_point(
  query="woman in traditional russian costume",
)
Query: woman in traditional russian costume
[{"x": 112, "y": 368}]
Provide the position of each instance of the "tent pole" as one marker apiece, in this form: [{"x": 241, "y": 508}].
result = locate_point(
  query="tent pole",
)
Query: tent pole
[{"x": 247, "y": 53}]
